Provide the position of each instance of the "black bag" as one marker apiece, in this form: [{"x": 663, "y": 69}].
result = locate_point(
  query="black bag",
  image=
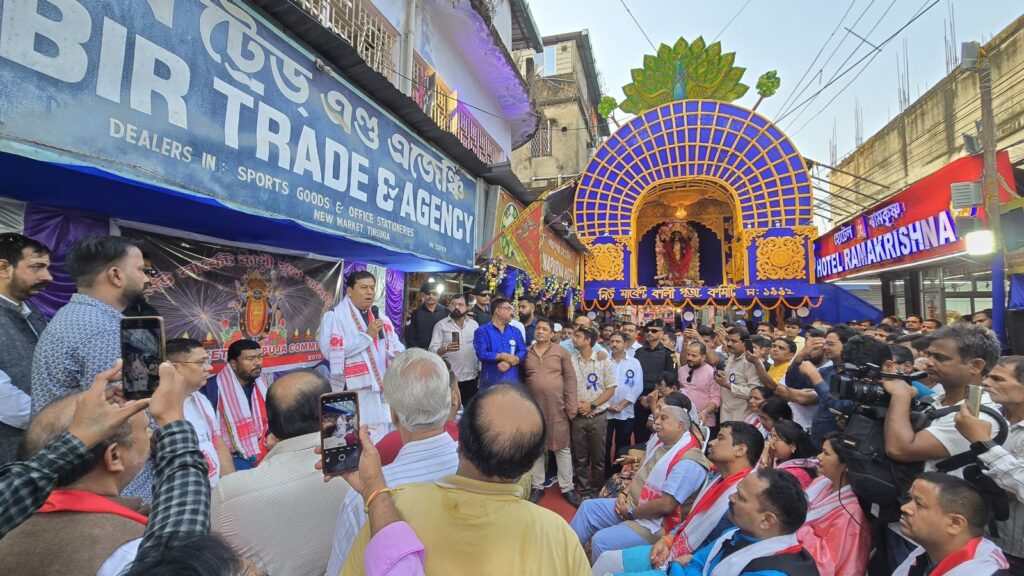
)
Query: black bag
[{"x": 880, "y": 483}]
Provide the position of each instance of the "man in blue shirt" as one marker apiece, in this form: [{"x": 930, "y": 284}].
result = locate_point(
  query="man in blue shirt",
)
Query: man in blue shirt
[{"x": 499, "y": 346}]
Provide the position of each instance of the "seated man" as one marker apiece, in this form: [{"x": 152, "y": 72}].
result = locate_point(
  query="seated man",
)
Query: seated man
[
  {"x": 672, "y": 473},
  {"x": 476, "y": 521},
  {"x": 767, "y": 509},
  {"x": 84, "y": 527},
  {"x": 421, "y": 393},
  {"x": 284, "y": 495},
  {"x": 947, "y": 517},
  {"x": 734, "y": 452}
]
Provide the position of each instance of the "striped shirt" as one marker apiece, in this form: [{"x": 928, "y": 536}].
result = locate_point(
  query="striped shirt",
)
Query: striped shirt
[
  {"x": 420, "y": 461},
  {"x": 1006, "y": 467}
]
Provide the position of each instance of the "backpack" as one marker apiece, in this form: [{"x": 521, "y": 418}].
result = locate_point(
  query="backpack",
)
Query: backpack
[{"x": 881, "y": 484}]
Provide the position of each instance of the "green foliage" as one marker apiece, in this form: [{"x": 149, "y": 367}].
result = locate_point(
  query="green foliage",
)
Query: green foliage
[
  {"x": 606, "y": 106},
  {"x": 768, "y": 84},
  {"x": 694, "y": 70}
]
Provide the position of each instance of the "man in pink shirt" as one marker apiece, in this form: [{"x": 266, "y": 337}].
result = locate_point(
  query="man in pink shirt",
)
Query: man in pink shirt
[{"x": 697, "y": 379}]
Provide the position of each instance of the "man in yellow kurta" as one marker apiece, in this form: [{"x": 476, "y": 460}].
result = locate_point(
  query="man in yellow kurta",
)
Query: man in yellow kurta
[{"x": 476, "y": 522}]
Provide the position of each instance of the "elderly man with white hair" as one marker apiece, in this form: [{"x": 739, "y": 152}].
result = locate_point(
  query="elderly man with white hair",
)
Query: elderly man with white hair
[{"x": 418, "y": 387}]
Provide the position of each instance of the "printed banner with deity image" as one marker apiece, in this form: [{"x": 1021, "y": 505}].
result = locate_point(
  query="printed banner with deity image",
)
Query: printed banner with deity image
[{"x": 219, "y": 294}]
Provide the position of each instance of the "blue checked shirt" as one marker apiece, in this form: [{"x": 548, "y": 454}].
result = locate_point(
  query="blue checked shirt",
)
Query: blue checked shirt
[
  {"x": 82, "y": 340},
  {"x": 25, "y": 485},
  {"x": 488, "y": 342}
]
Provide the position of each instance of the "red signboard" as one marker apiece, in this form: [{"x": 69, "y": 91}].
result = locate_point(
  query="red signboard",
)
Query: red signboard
[{"x": 915, "y": 225}]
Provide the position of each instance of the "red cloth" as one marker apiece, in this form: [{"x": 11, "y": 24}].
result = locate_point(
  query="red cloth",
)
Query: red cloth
[
  {"x": 82, "y": 501},
  {"x": 391, "y": 443}
]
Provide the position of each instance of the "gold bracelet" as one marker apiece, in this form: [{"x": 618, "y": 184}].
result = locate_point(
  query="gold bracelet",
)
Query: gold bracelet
[{"x": 378, "y": 492}]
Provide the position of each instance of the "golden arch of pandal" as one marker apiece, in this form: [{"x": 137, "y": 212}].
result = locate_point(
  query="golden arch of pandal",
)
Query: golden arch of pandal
[{"x": 697, "y": 204}]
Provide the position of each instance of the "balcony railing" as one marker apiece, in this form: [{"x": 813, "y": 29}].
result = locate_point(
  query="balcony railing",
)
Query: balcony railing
[{"x": 360, "y": 26}]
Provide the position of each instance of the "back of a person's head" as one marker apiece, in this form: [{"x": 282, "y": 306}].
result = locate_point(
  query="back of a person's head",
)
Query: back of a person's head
[
  {"x": 972, "y": 341},
  {"x": 861, "y": 350},
  {"x": 746, "y": 435},
  {"x": 417, "y": 385},
  {"x": 958, "y": 496},
  {"x": 191, "y": 555},
  {"x": 784, "y": 497},
  {"x": 502, "y": 432},
  {"x": 293, "y": 403},
  {"x": 90, "y": 256},
  {"x": 777, "y": 409}
]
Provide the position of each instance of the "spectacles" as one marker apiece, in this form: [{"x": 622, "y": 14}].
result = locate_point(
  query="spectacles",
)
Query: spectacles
[
  {"x": 204, "y": 362},
  {"x": 151, "y": 272},
  {"x": 504, "y": 308}
]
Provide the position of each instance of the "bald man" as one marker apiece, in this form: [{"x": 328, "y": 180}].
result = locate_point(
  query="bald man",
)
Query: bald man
[
  {"x": 475, "y": 521},
  {"x": 282, "y": 511}
]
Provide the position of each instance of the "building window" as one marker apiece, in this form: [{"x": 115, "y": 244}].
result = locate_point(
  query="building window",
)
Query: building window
[
  {"x": 359, "y": 23},
  {"x": 550, "y": 66},
  {"x": 541, "y": 143}
]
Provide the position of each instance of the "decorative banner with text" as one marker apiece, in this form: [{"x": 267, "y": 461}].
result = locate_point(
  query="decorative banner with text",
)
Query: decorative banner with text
[
  {"x": 220, "y": 294},
  {"x": 521, "y": 232},
  {"x": 205, "y": 96}
]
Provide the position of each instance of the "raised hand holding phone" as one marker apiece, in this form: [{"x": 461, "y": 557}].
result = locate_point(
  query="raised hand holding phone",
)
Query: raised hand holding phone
[
  {"x": 339, "y": 426},
  {"x": 142, "y": 352}
]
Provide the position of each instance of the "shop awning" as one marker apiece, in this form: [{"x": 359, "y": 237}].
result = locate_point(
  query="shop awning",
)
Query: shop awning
[{"x": 59, "y": 183}]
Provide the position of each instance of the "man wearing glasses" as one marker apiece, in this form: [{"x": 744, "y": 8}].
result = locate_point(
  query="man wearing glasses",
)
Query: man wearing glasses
[
  {"x": 655, "y": 359},
  {"x": 193, "y": 363},
  {"x": 499, "y": 346}
]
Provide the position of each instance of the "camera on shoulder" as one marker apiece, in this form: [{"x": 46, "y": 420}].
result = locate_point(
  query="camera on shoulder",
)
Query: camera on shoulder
[{"x": 863, "y": 384}]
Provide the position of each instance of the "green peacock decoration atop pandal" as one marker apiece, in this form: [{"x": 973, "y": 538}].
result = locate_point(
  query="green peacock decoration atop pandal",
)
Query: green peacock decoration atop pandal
[{"x": 686, "y": 71}]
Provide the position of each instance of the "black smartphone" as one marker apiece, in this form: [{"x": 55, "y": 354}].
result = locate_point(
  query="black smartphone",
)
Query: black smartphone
[
  {"x": 749, "y": 345},
  {"x": 142, "y": 351},
  {"x": 339, "y": 432},
  {"x": 455, "y": 337}
]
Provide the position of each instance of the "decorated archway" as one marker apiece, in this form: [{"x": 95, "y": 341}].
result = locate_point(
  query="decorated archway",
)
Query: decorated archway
[{"x": 714, "y": 167}]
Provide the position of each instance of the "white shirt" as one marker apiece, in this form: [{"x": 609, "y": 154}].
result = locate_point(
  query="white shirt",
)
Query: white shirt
[
  {"x": 1006, "y": 466},
  {"x": 420, "y": 461},
  {"x": 464, "y": 362},
  {"x": 519, "y": 326},
  {"x": 194, "y": 405},
  {"x": 944, "y": 430},
  {"x": 281, "y": 512},
  {"x": 15, "y": 405},
  {"x": 628, "y": 387},
  {"x": 631, "y": 351}
]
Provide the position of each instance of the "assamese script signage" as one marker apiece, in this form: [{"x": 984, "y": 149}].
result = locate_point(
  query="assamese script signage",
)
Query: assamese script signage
[
  {"x": 204, "y": 96},
  {"x": 916, "y": 224}
]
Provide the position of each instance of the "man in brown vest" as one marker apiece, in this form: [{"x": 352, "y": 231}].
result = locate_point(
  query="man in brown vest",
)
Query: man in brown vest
[{"x": 84, "y": 527}]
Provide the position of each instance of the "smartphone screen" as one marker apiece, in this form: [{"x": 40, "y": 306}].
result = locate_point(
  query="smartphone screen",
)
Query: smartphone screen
[
  {"x": 339, "y": 432},
  {"x": 455, "y": 337},
  {"x": 142, "y": 351}
]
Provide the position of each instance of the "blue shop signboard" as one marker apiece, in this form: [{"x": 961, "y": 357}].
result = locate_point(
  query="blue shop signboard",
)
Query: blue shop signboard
[{"x": 205, "y": 97}]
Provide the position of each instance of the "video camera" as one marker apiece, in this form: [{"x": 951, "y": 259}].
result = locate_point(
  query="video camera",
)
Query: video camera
[{"x": 863, "y": 384}]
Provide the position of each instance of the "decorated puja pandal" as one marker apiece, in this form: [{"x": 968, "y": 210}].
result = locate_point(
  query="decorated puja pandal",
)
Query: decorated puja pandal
[{"x": 696, "y": 202}]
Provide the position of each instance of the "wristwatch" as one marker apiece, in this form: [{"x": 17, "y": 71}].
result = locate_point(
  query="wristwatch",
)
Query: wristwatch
[
  {"x": 982, "y": 447},
  {"x": 629, "y": 513}
]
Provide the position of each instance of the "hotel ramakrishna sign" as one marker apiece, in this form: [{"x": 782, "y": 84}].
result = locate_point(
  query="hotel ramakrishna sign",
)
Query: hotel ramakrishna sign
[{"x": 915, "y": 225}]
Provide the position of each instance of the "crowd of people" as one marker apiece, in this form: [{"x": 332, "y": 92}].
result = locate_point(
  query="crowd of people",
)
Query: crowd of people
[{"x": 687, "y": 450}]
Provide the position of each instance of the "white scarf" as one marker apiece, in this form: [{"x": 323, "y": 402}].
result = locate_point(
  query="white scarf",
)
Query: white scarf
[
  {"x": 732, "y": 564},
  {"x": 246, "y": 422},
  {"x": 707, "y": 511},
  {"x": 199, "y": 412},
  {"x": 821, "y": 500},
  {"x": 655, "y": 482},
  {"x": 987, "y": 559},
  {"x": 363, "y": 369}
]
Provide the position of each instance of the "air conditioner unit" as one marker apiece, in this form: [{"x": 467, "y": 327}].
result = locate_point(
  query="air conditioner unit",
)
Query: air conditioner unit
[{"x": 965, "y": 194}]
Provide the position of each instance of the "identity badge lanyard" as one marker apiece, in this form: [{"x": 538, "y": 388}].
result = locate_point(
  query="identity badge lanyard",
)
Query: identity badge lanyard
[
  {"x": 592, "y": 380},
  {"x": 629, "y": 378}
]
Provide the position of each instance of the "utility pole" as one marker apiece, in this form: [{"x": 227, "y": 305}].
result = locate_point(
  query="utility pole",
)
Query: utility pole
[{"x": 973, "y": 53}]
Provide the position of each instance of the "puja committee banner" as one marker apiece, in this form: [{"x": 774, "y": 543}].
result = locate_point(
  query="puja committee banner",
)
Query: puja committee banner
[
  {"x": 520, "y": 230},
  {"x": 219, "y": 294},
  {"x": 203, "y": 96}
]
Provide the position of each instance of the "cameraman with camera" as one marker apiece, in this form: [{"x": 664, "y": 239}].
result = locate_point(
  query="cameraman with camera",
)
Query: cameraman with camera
[{"x": 958, "y": 356}]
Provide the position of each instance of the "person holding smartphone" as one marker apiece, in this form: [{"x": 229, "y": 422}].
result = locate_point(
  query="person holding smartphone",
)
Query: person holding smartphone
[{"x": 452, "y": 339}]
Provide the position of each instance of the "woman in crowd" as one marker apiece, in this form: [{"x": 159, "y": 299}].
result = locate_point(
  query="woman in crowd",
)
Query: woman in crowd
[
  {"x": 836, "y": 532},
  {"x": 772, "y": 410},
  {"x": 789, "y": 448},
  {"x": 757, "y": 397}
]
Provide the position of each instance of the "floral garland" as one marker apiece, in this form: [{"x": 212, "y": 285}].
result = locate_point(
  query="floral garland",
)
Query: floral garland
[
  {"x": 495, "y": 273},
  {"x": 554, "y": 290}
]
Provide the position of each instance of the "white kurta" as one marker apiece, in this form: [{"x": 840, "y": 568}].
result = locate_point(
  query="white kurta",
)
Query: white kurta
[{"x": 359, "y": 362}]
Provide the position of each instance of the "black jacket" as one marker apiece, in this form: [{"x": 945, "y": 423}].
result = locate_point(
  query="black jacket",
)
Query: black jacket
[
  {"x": 421, "y": 326},
  {"x": 480, "y": 315},
  {"x": 654, "y": 362}
]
